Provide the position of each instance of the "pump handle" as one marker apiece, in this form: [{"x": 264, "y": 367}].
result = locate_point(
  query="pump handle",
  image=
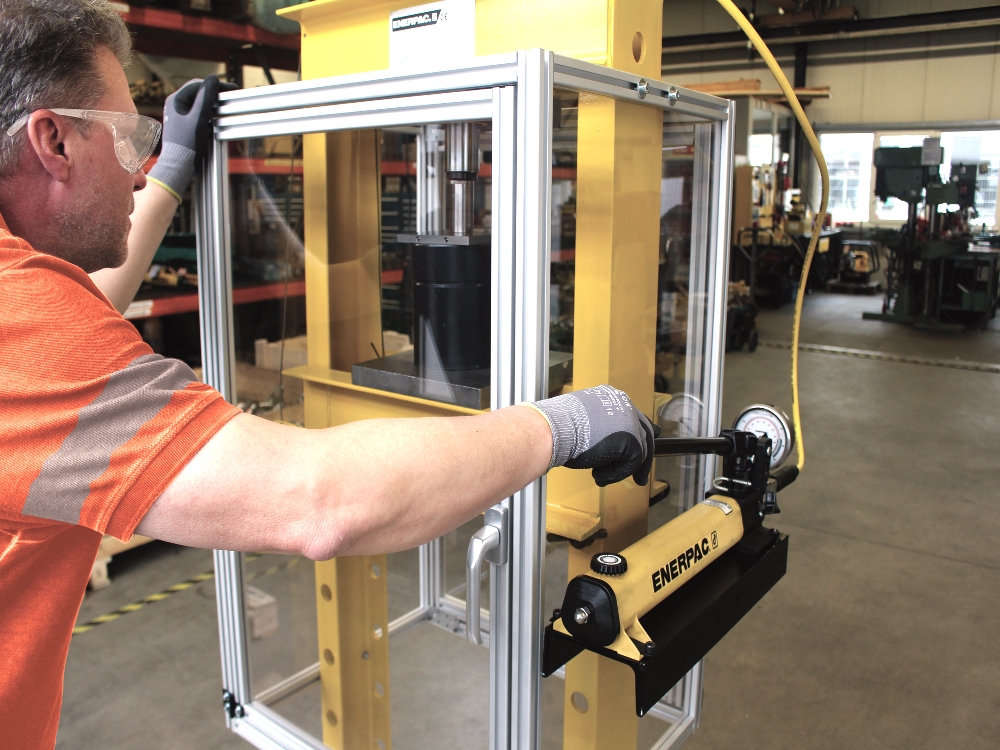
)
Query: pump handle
[
  {"x": 785, "y": 476},
  {"x": 692, "y": 446}
]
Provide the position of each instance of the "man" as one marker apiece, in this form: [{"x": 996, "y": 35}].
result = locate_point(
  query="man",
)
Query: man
[{"x": 100, "y": 435}]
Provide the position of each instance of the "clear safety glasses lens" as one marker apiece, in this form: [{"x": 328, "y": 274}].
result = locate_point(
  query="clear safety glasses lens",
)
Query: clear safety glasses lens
[
  {"x": 135, "y": 141},
  {"x": 135, "y": 136}
]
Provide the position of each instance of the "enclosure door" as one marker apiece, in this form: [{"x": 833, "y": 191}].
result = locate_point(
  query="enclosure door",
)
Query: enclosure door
[{"x": 374, "y": 651}]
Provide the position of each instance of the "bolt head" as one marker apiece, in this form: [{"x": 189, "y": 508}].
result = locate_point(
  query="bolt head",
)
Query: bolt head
[{"x": 581, "y": 616}]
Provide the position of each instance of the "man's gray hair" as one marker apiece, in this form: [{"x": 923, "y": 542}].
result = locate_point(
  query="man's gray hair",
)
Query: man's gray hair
[{"x": 48, "y": 58}]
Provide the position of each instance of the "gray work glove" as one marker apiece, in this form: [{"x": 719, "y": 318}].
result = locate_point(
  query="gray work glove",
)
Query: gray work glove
[
  {"x": 599, "y": 428},
  {"x": 187, "y": 131}
]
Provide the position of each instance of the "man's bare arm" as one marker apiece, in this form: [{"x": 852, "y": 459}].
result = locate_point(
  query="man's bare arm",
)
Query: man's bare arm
[
  {"x": 154, "y": 209},
  {"x": 363, "y": 488}
]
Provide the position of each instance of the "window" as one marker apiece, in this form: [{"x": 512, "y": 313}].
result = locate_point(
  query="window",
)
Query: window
[
  {"x": 761, "y": 149},
  {"x": 852, "y": 183},
  {"x": 976, "y": 147},
  {"x": 894, "y": 209},
  {"x": 849, "y": 159}
]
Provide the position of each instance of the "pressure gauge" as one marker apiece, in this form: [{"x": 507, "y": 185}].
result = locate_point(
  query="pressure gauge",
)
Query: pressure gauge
[
  {"x": 771, "y": 422},
  {"x": 681, "y": 416}
]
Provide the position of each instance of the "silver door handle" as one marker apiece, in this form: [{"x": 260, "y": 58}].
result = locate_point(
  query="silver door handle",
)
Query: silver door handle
[{"x": 489, "y": 544}]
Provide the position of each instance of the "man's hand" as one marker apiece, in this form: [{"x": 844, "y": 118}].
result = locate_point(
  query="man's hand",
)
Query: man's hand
[
  {"x": 599, "y": 428},
  {"x": 187, "y": 131}
]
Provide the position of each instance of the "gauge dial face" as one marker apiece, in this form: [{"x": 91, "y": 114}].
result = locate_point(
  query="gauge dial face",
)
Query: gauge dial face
[
  {"x": 681, "y": 416},
  {"x": 761, "y": 419}
]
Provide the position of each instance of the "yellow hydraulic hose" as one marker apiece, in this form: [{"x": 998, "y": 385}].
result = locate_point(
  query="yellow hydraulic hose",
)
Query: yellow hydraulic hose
[{"x": 793, "y": 102}]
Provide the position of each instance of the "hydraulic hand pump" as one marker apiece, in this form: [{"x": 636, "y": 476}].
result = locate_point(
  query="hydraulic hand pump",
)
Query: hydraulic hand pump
[{"x": 604, "y": 610}]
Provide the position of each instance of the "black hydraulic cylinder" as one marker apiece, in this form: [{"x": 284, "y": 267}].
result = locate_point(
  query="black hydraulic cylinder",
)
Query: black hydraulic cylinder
[{"x": 451, "y": 307}]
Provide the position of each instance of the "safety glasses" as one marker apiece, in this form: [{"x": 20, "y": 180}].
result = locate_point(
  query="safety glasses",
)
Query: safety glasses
[{"x": 135, "y": 136}]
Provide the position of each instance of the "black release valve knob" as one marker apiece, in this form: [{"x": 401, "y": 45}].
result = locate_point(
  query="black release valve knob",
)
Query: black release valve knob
[{"x": 608, "y": 564}]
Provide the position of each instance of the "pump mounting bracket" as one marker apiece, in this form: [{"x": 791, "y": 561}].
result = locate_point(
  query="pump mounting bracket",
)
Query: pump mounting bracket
[{"x": 688, "y": 624}]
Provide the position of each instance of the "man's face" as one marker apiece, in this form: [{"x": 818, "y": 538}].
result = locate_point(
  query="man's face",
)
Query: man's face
[{"x": 94, "y": 221}]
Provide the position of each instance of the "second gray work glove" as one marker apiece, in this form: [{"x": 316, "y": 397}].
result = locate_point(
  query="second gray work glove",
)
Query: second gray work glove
[
  {"x": 599, "y": 428},
  {"x": 187, "y": 130}
]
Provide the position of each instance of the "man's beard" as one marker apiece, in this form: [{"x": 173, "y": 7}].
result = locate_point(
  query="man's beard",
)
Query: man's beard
[{"x": 93, "y": 239}]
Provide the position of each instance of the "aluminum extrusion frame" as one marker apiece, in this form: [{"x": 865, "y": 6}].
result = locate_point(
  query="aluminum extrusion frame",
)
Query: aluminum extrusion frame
[{"x": 515, "y": 92}]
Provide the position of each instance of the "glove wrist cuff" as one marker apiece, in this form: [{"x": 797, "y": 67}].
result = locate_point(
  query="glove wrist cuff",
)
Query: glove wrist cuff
[
  {"x": 566, "y": 416},
  {"x": 174, "y": 168},
  {"x": 176, "y": 196}
]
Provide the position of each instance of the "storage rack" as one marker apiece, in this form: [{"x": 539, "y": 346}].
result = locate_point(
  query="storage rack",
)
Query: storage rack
[{"x": 161, "y": 31}]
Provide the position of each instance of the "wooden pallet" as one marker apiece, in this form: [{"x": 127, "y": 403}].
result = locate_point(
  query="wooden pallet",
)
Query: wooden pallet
[
  {"x": 109, "y": 548},
  {"x": 851, "y": 287}
]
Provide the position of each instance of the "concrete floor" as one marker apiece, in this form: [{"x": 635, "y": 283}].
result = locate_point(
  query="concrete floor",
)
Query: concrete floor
[{"x": 882, "y": 634}]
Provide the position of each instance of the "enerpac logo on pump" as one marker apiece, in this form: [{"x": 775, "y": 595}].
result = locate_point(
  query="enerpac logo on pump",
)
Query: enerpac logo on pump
[
  {"x": 684, "y": 561},
  {"x": 417, "y": 20}
]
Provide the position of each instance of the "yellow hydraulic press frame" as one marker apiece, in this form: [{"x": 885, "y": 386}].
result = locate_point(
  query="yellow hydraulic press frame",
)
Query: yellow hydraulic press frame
[
  {"x": 618, "y": 193},
  {"x": 618, "y": 188}
]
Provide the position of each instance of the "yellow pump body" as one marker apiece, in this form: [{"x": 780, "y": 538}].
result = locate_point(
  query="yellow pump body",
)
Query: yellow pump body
[{"x": 662, "y": 562}]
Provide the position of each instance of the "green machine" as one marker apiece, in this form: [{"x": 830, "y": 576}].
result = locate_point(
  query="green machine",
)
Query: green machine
[{"x": 938, "y": 277}]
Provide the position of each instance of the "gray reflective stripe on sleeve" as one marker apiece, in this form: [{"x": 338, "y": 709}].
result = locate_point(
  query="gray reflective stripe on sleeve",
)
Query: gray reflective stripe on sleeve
[{"x": 131, "y": 398}]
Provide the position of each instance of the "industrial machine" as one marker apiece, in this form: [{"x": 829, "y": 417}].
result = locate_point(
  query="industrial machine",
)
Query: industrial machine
[
  {"x": 770, "y": 260},
  {"x": 859, "y": 260},
  {"x": 446, "y": 645},
  {"x": 939, "y": 277}
]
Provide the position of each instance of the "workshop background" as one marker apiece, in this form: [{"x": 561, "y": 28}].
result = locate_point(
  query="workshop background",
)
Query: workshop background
[{"x": 883, "y": 633}]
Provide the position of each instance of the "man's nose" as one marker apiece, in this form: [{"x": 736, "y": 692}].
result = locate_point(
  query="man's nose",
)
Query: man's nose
[{"x": 140, "y": 180}]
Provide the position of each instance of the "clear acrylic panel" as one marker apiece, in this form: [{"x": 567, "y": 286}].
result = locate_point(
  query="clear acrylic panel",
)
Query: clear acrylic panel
[
  {"x": 268, "y": 262},
  {"x": 681, "y": 378},
  {"x": 683, "y": 306},
  {"x": 428, "y": 187},
  {"x": 563, "y": 230},
  {"x": 269, "y": 331},
  {"x": 436, "y": 265},
  {"x": 280, "y": 595},
  {"x": 684, "y": 375}
]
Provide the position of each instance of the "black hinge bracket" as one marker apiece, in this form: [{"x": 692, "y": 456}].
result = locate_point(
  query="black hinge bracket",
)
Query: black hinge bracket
[{"x": 233, "y": 709}]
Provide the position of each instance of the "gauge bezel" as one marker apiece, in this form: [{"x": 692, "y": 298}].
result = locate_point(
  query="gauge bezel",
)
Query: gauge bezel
[
  {"x": 782, "y": 419},
  {"x": 683, "y": 401},
  {"x": 688, "y": 405}
]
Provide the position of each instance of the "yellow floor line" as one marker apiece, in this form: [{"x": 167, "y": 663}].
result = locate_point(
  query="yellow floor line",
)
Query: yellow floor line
[{"x": 176, "y": 589}]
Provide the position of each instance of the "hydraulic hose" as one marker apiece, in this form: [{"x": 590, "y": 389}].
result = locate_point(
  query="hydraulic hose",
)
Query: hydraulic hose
[{"x": 810, "y": 135}]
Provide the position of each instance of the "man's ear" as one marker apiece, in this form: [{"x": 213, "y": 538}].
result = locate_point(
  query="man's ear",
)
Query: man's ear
[{"x": 48, "y": 135}]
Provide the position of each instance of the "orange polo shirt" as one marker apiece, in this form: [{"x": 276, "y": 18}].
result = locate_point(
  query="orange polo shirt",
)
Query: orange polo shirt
[{"x": 93, "y": 427}]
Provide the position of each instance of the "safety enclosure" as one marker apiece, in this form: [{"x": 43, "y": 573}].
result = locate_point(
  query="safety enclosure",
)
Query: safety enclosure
[{"x": 406, "y": 244}]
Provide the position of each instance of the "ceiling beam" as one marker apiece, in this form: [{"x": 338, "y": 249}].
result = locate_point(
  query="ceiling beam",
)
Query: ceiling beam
[{"x": 917, "y": 23}]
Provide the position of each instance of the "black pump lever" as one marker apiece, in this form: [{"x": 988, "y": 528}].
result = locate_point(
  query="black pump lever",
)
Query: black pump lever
[{"x": 720, "y": 446}]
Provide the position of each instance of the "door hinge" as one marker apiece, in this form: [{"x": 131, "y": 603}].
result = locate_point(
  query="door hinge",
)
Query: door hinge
[{"x": 233, "y": 709}]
